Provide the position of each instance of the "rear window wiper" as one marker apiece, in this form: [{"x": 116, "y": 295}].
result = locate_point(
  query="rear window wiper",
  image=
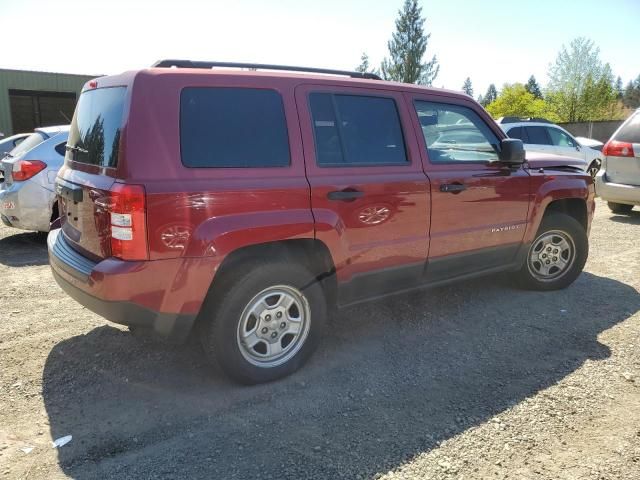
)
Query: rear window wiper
[{"x": 75, "y": 149}]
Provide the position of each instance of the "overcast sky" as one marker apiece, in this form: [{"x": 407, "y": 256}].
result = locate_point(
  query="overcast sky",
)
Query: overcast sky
[{"x": 490, "y": 41}]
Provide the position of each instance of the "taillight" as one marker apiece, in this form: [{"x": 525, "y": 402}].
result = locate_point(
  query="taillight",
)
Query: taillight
[
  {"x": 613, "y": 148},
  {"x": 25, "y": 169},
  {"x": 128, "y": 222}
]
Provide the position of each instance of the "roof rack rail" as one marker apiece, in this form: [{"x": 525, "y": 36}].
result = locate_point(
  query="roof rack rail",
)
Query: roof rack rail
[
  {"x": 259, "y": 66},
  {"x": 522, "y": 119}
]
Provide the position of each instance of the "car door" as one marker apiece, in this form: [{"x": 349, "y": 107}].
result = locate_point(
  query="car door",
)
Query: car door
[
  {"x": 538, "y": 139},
  {"x": 478, "y": 205},
  {"x": 369, "y": 194},
  {"x": 563, "y": 144}
]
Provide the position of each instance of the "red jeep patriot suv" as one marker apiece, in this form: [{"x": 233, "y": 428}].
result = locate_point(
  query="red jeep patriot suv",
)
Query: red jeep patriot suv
[{"x": 248, "y": 203}]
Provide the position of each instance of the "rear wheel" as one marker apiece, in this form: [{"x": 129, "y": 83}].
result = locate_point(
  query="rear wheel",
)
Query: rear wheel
[
  {"x": 620, "y": 208},
  {"x": 266, "y": 323},
  {"x": 557, "y": 255},
  {"x": 594, "y": 168}
]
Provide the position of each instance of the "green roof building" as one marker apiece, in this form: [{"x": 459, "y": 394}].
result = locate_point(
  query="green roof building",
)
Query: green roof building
[{"x": 37, "y": 99}]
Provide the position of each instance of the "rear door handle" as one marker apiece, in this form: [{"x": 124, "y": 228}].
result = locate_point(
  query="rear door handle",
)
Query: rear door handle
[
  {"x": 345, "y": 195},
  {"x": 452, "y": 187}
]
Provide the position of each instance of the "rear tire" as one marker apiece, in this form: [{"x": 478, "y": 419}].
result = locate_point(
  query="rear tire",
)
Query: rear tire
[
  {"x": 264, "y": 321},
  {"x": 620, "y": 208},
  {"x": 557, "y": 255}
]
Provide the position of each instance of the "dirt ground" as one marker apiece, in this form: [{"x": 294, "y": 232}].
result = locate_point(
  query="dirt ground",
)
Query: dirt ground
[{"x": 470, "y": 381}]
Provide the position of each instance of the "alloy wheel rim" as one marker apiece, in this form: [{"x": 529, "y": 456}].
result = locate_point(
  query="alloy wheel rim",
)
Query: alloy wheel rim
[
  {"x": 273, "y": 326},
  {"x": 551, "y": 255}
]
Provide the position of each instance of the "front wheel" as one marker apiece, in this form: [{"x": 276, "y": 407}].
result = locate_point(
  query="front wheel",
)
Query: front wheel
[
  {"x": 557, "y": 255},
  {"x": 594, "y": 168},
  {"x": 266, "y": 323}
]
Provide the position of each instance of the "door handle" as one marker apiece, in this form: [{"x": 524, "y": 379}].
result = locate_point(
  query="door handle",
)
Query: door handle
[
  {"x": 452, "y": 187},
  {"x": 345, "y": 195}
]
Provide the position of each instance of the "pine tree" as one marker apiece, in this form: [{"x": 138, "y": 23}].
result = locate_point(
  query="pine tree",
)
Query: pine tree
[
  {"x": 467, "y": 87},
  {"x": 407, "y": 47},
  {"x": 618, "y": 88},
  {"x": 364, "y": 64},
  {"x": 533, "y": 88},
  {"x": 491, "y": 95},
  {"x": 481, "y": 100}
]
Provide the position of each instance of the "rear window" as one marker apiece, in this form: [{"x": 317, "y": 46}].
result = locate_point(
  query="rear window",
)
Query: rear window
[
  {"x": 94, "y": 137},
  {"x": 233, "y": 127},
  {"x": 630, "y": 132},
  {"x": 28, "y": 143}
]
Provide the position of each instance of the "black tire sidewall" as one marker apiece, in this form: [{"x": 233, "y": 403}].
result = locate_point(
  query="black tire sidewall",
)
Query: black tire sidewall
[
  {"x": 620, "y": 208},
  {"x": 569, "y": 225},
  {"x": 221, "y": 337}
]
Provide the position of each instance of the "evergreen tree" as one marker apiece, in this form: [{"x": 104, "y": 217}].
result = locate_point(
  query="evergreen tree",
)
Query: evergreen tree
[
  {"x": 533, "y": 88},
  {"x": 364, "y": 64},
  {"x": 407, "y": 47},
  {"x": 619, "y": 89},
  {"x": 631, "y": 97},
  {"x": 481, "y": 100},
  {"x": 491, "y": 95},
  {"x": 467, "y": 87}
]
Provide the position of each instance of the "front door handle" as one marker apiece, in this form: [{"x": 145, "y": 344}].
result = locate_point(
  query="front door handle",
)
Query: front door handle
[
  {"x": 345, "y": 195},
  {"x": 452, "y": 187}
]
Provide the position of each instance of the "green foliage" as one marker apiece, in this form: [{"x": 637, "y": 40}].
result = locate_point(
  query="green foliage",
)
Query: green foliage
[
  {"x": 407, "y": 47},
  {"x": 515, "y": 101},
  {"x": 618, "y": 88},
  {"x": 365, "y": 66},
  {"x": 490, "y": 96},
  {"x": 631, "y": 96},
  {"x": 467, "y": 87},
  {"x": 581, "y": 87},
  {"x": 533, "y": 88}
]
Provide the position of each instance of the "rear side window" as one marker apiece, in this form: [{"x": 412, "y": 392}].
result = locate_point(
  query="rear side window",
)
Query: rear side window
[
  {"x": 94, "y": 137},
  {"x": 517, "y": 132},
  {"x": 233, "y": 127},
  {"x": 630, "y": 132},
  {"x": 538, "y": 136},
  {"x": 352, "y": 130}
]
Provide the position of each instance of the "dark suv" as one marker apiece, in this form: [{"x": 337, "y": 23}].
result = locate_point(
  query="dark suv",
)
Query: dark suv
[{"x": 244, "y": 205}]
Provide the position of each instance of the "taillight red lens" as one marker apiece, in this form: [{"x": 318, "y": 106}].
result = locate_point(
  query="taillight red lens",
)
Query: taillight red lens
[
  {"x": 128, "y": 222},
  {"x": 614, "y": 148},
  {"x": 25, "y": 169}
]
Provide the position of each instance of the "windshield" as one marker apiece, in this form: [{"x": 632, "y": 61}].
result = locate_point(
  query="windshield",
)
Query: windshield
[
  {"x": 32, "y": 141},
  {"x": 95, "y": 130}
]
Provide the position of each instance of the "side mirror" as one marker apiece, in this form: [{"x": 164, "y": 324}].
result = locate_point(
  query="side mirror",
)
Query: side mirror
[{"x": 511, "y": 151}]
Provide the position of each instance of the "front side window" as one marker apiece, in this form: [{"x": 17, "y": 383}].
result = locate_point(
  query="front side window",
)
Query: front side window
[
  {"x": 233, "y": 127},
  {"x": 538, "y": 136},
  {"x": 353, "y": 130},
  {"x": 559, "y": 138},
  {"x": 454, "y": 133}
]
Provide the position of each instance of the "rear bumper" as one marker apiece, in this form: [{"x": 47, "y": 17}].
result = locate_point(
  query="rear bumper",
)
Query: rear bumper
[
  {"x": 149, "y": 294},
  {"x": 26, "y": 205},
  {"x": 617, "y": 192}
]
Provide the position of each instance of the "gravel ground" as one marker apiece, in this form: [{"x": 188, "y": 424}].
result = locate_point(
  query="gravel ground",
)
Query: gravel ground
[{"x": 474, "y": 380}]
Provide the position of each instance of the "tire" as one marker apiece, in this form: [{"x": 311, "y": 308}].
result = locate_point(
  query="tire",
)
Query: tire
[
  {"x": 594, "y": 168},
  {"x": 544, "y": 269},
  {"x": 271, "y": 305},
  {"x": 620, "y": 208}
]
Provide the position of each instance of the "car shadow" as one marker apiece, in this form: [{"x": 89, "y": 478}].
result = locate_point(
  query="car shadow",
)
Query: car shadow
[
  {"x": 633, "y": 218},
  {"x": 24, "y": 249},
  {"x": 393, "y": 379}
]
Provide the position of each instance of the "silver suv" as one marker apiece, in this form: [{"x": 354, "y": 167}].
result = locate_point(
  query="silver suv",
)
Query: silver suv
[{"x": 618, "y": 181}]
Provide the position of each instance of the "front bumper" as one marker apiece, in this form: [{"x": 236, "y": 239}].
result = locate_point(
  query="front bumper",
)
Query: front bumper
[
  {"x": 129, "y": 293},
  {"x": 26, "y": 205},
  {"x": 617, "y": 192}
]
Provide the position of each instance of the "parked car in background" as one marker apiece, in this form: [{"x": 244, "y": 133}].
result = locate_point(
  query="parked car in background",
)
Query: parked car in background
[
  {"x": 591, "y": 143},
  {"x": 540, "y": 135},
  {"x": 27, "y": 194},
  {"x": 9, "y": 143},
  {"x": 248, "y": 204},
  {"x": 618, "y": 182}
]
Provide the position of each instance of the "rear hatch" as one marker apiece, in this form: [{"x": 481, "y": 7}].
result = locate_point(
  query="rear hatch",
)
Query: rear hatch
[
  {"x": 84, "y": 184},
  {"x": 622, "y": 153}
]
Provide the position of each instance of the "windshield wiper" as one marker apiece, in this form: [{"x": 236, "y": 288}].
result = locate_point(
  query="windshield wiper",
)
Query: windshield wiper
[{"x": 75, "y": 149}]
